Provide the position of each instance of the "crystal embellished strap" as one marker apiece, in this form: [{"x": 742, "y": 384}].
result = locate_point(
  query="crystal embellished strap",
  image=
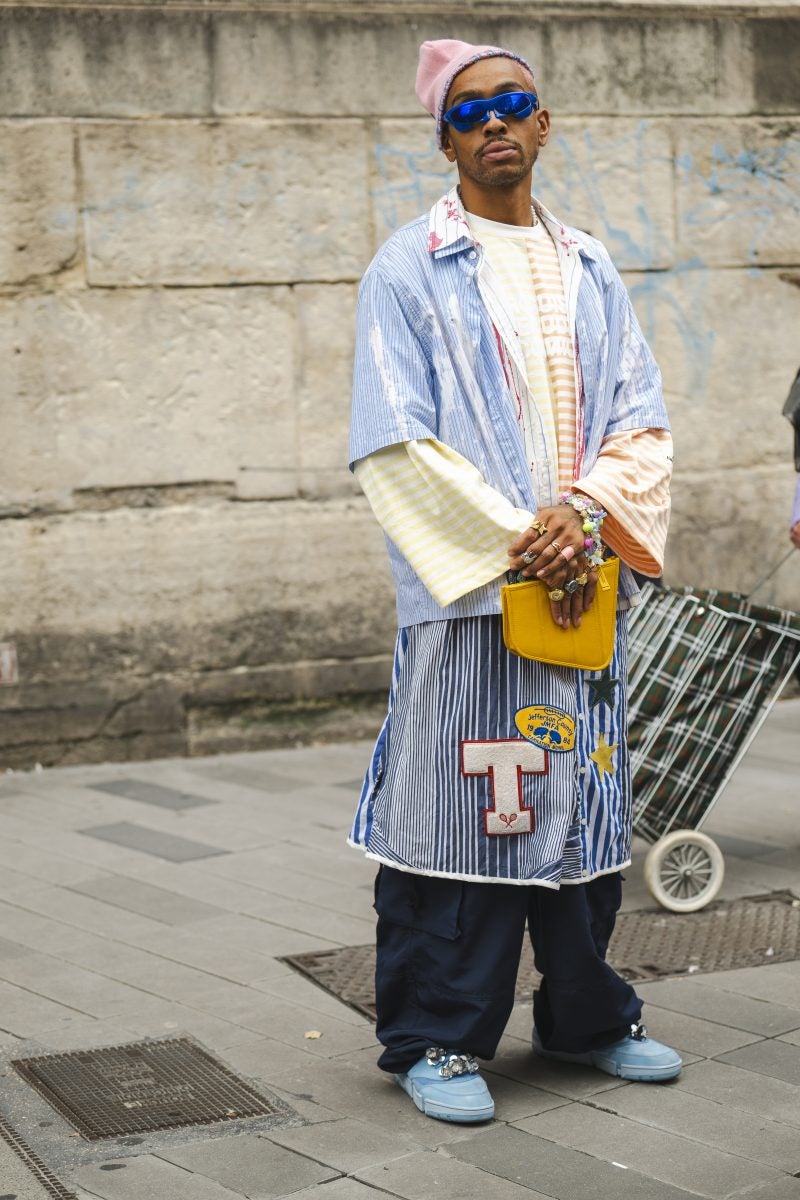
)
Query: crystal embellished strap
[{"x": 453, "y": 1064}]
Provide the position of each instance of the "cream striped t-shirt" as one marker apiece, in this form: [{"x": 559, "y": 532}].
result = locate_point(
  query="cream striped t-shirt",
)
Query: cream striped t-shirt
[
  {"x": 525, "y": 263},
  {"x": 509, "y": 250}
]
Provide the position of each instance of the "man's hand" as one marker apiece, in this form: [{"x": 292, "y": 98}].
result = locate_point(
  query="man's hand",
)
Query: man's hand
[
  {"x": 547, "y": 562},
  {"x": 794, "y": 534}
]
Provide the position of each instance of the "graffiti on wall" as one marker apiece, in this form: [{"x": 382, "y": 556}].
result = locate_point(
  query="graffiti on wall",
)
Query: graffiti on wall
[{"x": 755, "y": 190}]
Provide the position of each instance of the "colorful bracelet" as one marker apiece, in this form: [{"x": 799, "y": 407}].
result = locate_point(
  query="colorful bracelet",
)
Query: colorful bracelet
[{"x": 592, "y": 522}]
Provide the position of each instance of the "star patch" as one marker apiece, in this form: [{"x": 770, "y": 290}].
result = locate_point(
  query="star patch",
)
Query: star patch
[
  {"x": 603, "y": 689},
  {"x": 602, "y": 756}
]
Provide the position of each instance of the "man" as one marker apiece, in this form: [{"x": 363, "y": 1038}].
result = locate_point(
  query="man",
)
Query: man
[{"x": 507, "y": 415}]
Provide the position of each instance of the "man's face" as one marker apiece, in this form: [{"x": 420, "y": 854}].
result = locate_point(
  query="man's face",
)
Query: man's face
[{"x": 502, "y": 151}]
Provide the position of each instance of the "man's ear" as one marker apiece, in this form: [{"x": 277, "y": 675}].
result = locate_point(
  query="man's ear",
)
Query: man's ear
[
  {"x": 543, "y": 121},
  {"x": 447, "y": 146}
]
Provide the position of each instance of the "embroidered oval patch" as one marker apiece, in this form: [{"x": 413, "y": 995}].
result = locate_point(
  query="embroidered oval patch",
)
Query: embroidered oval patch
[{"x": 548, "y": 727}]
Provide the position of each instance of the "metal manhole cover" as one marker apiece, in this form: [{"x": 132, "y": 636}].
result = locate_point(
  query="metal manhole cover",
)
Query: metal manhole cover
[
  {"x": 645, "y": 945},
  {"x": 142, "y": 1086}
]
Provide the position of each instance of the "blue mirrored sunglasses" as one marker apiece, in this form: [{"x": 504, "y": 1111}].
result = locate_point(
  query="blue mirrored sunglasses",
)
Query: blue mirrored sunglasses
[{"x": 473, "y": 112}]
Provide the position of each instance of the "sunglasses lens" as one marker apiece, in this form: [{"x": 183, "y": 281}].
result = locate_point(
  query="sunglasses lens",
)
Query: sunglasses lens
[
  {"x": 464, "y": 116},
  {"x": 514, "y": 104}
]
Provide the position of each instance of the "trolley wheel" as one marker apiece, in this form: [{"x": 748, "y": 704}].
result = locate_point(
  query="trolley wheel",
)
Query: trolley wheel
[{"x": 684, "y": 870}]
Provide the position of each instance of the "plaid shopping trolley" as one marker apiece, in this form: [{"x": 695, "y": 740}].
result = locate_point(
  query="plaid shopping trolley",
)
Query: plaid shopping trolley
[{"x": 705, "y": 669}]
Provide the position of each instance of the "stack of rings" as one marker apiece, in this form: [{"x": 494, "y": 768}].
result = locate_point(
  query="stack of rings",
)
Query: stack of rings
[
  {"x": 572, "y": 585},
  {"x": 567, "y": 553}
]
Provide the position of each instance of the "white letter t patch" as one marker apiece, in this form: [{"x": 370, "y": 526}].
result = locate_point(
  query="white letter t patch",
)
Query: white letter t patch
[{"x": 505, "y": 762}]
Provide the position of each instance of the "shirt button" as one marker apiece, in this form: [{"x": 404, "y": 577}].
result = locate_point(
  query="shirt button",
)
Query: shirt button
[
  {"x": 584, "y": 873},
  {"x": 581, "y": 770},
  {"x": 584, "y": 821},
  {"x": 472, "y": 254}
]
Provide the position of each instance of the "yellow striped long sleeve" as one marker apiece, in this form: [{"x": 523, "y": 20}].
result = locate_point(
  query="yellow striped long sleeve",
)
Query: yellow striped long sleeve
[
  {"x": 631, "y": 480},
  {"x": 448, "y": 523}
]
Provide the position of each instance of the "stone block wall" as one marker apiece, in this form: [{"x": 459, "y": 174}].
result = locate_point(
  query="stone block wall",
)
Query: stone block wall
[{"x": 188, "y": 197}]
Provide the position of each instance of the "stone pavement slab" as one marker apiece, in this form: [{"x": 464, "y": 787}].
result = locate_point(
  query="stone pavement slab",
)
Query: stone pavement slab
[
  {"x": 148, "y": 1178},
  {"x": 654, "y": 1152},
  {"x": 152, "y": 841},
  {"x": 135, "y": 896},
  {"x": 777, "y": 1059},
  {"x": 301, "y": 991},
  {"x": 38, "y": 863},
  {"x": 695, "y": 996},
  {"x": 191, "y": 949},
  {"x": 252, "y": 1166},
  {"x": 263, "y": 936},
  {"x": 693, "y": 1035},
  {"x": 151, "y": 793},
  {"x": 737, "y": 1088},
  {"x": 707, "y": 1122},
  {"x": 436, "y": 1174},
  {"x": 346, "y": 1144},
  {"x": 778, "y": 983},
  {"x": 556, "y": 1170},
  {"x": 341, "y": 1189},
  {"x": 782, "y": 1189}
]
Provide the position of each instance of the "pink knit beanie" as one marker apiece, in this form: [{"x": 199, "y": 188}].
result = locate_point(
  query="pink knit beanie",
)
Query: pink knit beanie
[{"x": 441, "y": 61}]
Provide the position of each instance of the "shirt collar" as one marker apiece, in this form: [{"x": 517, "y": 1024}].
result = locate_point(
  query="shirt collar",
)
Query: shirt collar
[{"x": 449, "y": 232}]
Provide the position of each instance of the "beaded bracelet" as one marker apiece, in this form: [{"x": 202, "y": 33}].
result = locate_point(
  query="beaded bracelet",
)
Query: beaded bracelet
[{"x": 592, "y": 522}]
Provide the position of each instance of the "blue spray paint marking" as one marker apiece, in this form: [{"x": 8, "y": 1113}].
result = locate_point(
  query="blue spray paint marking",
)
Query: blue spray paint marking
[
  {"x": 412, "y": 180},
  {"x": 755, "y": 189}
]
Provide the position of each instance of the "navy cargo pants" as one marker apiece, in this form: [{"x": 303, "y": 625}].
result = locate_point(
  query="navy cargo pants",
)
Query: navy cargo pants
[{"x": 448, "y": 953}]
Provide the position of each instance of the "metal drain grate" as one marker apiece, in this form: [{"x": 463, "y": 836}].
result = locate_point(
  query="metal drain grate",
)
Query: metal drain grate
[
  {"x": 142, "y": 1086},
  {"x": 645, "y": 945},
  {"x": 45, "y": 1178}
]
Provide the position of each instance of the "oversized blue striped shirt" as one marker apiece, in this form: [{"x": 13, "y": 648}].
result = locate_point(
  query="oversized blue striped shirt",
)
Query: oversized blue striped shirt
[
  {"x": 458, "y": 786},
  {"x": 431, "y": 363}
]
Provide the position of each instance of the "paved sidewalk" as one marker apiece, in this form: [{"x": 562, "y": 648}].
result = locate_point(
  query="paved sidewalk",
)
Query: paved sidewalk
[{"x": 146, "y": 899}]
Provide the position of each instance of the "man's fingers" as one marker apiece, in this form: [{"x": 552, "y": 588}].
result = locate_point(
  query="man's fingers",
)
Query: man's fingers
[
  {"x": 552, "y": 566},
  {"x": 555, "y": 612},
  {"x": 521, "y": 543},
  {"x": 576, "y": 607},
  {"x": 589, "y": 591}
]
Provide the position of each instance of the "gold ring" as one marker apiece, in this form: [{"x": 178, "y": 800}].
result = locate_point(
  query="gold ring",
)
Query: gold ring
[
  {"x": 582, "y": 579},
  {"x": 556, "y": 546},
  {"x": 556, "y": 594},
  {"x": 539, "y": 527}
]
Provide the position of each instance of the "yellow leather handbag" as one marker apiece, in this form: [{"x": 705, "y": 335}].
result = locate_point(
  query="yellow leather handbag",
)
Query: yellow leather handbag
[{"x": 530, "y": 631}]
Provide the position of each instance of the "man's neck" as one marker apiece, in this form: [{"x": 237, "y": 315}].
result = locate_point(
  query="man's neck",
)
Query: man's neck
[{"x": 509, "y": 206}]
